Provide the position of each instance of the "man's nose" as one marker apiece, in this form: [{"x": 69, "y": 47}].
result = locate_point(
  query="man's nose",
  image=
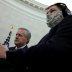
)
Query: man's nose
[{"x": 16, "y": 37}]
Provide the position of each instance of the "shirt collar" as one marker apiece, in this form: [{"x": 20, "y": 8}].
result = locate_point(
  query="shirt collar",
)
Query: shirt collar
[{"x": 20, "y": 47}]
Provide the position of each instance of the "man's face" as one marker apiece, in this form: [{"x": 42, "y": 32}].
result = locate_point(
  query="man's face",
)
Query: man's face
[
  {"x": 52, "y": 9},
  {"x": 21, "y": 38},
  {"x": 54, "y": 16}
]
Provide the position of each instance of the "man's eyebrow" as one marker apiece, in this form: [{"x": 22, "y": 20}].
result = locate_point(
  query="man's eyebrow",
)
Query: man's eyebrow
[{"x": 48, "y": 7}]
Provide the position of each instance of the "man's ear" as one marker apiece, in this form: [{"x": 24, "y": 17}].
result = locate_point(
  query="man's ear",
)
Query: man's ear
[{"x": 27, "y": 42}]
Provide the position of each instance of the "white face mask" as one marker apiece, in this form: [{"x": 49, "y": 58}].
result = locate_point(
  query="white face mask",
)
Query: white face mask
[{"x": 54, "y": 18}]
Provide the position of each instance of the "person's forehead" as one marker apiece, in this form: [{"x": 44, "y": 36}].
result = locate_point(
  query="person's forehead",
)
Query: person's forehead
[
  {"x": 52, "y": 7},
  {"x": 20, "y": 31}
]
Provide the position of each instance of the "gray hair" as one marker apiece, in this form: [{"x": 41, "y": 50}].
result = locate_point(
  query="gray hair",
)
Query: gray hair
[{"x": 27, "y": 33}]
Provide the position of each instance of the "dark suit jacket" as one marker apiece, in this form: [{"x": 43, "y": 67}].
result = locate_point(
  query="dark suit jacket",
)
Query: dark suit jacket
[
  {"x": 22, "y": 49},
  {"x": 49, "y": 53},
  {"x": 18, "y": 66},
  {"x": 8, "y": 66}
]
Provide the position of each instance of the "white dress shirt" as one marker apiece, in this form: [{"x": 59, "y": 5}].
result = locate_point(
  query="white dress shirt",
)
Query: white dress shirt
[{"x": 20, "y": 47}]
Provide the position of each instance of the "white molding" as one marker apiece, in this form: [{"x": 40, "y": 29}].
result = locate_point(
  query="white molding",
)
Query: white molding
[
  {"x": 34, "y": 4},
  {"x": 35, "y": 14}
]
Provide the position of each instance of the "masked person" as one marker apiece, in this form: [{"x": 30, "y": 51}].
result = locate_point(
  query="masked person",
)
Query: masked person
[{"x": 49, "y": 53}]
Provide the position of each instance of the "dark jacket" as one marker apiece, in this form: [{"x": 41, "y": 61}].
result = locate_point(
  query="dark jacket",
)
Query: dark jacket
[
  {"x": 49, "y": 53},
  {"x": 8, "y": 66},
  {"x": 18, "y": 65},
  {"x": 22, "y": 49}
]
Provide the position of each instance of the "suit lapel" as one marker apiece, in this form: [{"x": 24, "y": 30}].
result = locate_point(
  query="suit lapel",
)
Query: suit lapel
[
  {"x": 12, "y": 48},
  {"x": 24, "y": 49}
]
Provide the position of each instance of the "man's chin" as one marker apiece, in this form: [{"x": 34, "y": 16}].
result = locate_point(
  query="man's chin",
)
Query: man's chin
[{"x": 16, "y": 43}]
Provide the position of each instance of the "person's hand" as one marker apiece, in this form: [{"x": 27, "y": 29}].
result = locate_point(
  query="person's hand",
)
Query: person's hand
[{"x": 2, "y": 51}]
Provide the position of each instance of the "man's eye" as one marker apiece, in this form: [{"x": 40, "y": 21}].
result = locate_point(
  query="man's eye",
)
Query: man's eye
[
  {"x": 20, "y": 35},
  {"x": 52, "y": 11}
]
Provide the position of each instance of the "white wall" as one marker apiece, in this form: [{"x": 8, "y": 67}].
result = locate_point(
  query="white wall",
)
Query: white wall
[{"x": 10, "y": 16}]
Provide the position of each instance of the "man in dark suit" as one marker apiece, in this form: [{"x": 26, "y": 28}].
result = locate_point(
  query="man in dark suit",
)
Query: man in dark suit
[
  {"x": 49, "y": 53},
  {"x": 22, "y": 38}
]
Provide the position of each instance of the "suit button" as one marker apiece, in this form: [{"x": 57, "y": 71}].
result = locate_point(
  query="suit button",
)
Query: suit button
[{"x": 27, "y": 68}]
